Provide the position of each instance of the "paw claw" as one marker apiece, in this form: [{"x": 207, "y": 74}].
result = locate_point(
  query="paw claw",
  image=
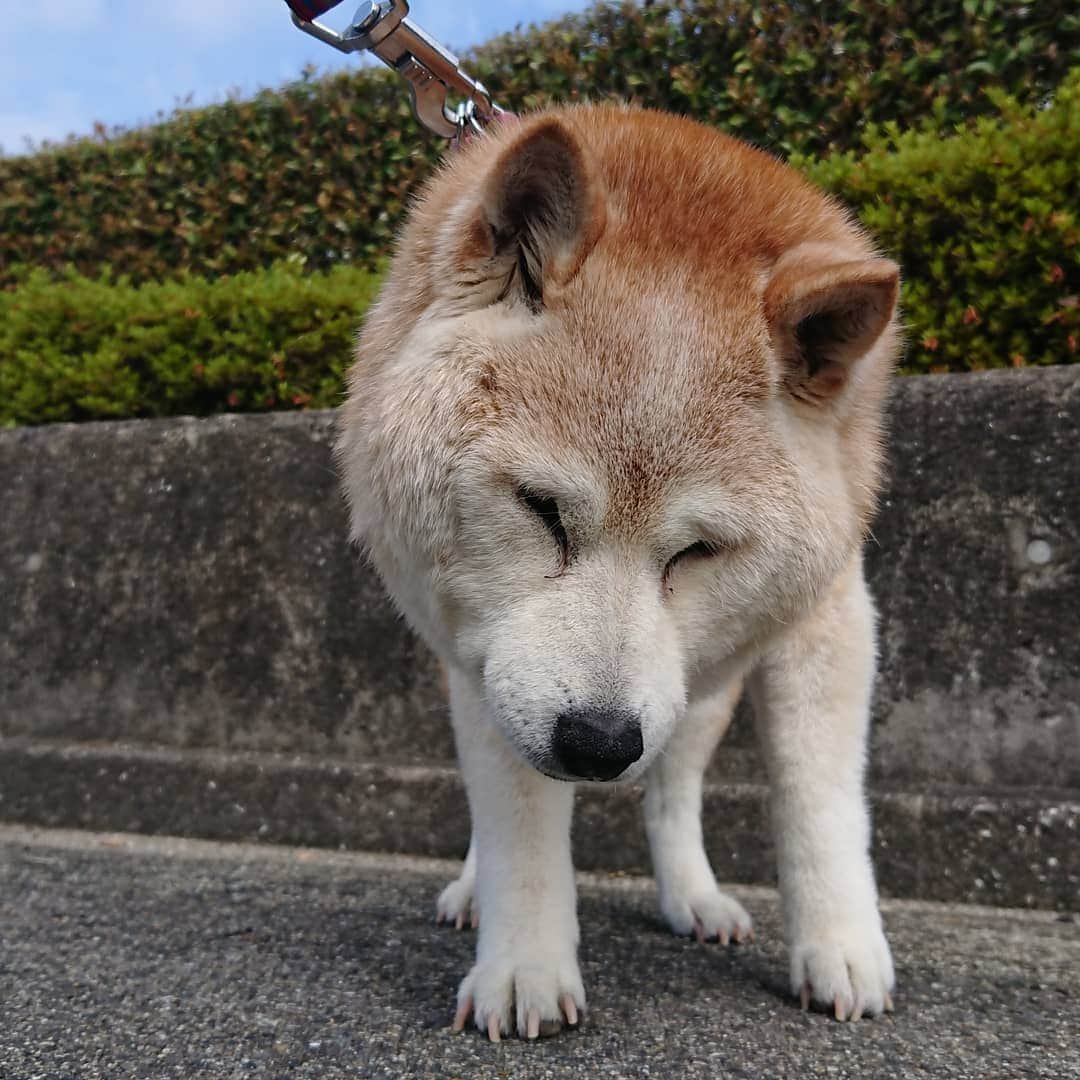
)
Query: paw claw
[
  {"x": 847, "y": 973},
  {"x": 524, "y": 996},
  {"x": 708, "y": 916},
  {"x": 456, "y": 903},
  {"x": 569, "y": 1009},
  {"x": 888, "y": 1003},
  {"x": 462, "y": 1015}
]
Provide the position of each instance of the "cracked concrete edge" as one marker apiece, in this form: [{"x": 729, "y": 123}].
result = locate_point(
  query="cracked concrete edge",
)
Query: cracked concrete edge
[
  {"x": 38, "y": 837},
  {"x": 1003, "y": 848}
]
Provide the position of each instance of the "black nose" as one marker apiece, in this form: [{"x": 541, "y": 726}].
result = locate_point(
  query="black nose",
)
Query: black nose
[{"x": 597, "y": 744}]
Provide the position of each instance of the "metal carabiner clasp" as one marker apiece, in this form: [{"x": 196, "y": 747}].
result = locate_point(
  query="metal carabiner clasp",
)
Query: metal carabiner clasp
[{"x": 432, "y": 71}]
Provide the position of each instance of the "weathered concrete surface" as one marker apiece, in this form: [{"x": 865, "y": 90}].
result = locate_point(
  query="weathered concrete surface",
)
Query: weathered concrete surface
[
  {"x": 977, "y": 570},
  {"x": 122, "y": 958},
  {"x": 188, "y": 644},
  {"x": 188, "y": 584},
  {"x": 1012, "y": 848}
]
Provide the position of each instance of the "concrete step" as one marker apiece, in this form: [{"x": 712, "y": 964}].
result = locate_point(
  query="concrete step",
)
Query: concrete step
[
  {"x": 1014, "y": 847},
  {"x": 125, "y": 957},
  {"x": 188, "y": 644}
]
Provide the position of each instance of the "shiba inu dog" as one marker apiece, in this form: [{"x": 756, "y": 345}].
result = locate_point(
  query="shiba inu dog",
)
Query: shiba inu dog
[{"x": 612, "y": 439}]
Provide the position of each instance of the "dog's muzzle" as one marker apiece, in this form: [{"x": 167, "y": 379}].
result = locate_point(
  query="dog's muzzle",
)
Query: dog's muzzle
[{"x": 597, "y": 744}]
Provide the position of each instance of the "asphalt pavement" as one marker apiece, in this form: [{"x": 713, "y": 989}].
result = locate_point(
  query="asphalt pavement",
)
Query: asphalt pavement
[{"x": 124, "y": 956}]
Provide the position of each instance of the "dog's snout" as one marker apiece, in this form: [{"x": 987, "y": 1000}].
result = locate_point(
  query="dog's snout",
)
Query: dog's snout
[{"x": 597, "y": 744}]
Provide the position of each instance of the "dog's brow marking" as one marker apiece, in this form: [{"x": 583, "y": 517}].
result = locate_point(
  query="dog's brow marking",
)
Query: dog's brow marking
[{"x": 488, "y": 381}]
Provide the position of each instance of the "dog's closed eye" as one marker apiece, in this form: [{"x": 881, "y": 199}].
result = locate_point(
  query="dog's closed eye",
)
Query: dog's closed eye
[
  {"x": 547, "y": 510},
  {"x": 703, "y": 549}
]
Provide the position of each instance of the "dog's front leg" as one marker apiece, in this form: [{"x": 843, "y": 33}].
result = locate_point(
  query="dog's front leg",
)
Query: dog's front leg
[
  {"x": 526, "y": 977},
  {"x": 690, "y": 899},
  {"x": 812, "y": 697}
]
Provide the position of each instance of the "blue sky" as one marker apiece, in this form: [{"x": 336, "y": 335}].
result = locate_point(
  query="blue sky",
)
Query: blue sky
[{"x": 65, "y": 64}]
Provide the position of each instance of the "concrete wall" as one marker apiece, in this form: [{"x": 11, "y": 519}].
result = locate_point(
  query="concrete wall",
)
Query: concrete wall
[{"x": 185, "y": 586}]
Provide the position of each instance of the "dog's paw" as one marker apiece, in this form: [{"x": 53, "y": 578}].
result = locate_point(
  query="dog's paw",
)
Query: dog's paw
[
  {"x": 710, "y": 915},
  {"x": 457, "y": 904},
  {"x": 849, "y": 972},
  {"x": 532, "y": 996}
]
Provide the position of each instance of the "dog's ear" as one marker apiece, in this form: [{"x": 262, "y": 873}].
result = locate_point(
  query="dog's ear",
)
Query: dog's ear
[
  {"x": 824, "y": 314},
  {"x": 541, "y": 208}
]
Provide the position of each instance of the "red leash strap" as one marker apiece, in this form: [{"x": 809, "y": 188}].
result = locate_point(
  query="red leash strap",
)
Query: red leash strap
[{"x": 310, "y": 10}]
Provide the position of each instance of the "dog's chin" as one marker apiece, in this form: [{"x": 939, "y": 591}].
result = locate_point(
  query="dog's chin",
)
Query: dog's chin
[
  {"x": 554, "y": 774},
  {"x": 550, "y": 768},
  {"x": 548, "y": 765}
]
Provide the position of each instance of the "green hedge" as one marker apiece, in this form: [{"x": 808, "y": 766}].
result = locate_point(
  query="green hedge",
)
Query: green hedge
[
  {"x": 986, "y": 226},
  {"x": 87, "y": 349},
  {"x": 323, "y": 168}
]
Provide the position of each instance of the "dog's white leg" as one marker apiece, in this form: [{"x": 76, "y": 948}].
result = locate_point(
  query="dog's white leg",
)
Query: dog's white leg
[
  {"x": 457, "y": 902},
  {"x": 689, "y": 897},
  {"x": 526, "y": 977},
  {"x": 812, "y": 696}
]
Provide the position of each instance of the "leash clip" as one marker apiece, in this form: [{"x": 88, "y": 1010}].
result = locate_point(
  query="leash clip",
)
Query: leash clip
[{"x": 431, "y": 70}]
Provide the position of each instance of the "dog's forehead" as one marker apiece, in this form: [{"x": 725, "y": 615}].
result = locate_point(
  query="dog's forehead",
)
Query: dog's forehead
[{"x": 646, "y": 388}]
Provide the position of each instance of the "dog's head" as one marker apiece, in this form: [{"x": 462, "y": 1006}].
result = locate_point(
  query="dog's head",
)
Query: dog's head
[{"x": 615, "y": 419}]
